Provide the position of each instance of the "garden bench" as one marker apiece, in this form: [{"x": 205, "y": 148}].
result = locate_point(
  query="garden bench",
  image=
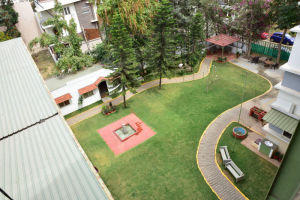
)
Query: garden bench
[
  {"x": 235, "y": 171},
  {"x": 224, "y": 154}
]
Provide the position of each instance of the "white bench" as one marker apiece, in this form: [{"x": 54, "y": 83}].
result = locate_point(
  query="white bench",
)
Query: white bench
[
  {"x": 224, "y": 154},
  {"x": 235, "y": 171}
]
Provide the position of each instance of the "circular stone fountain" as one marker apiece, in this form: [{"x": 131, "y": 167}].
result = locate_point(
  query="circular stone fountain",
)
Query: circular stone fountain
[{"x": 239, "y": 132}]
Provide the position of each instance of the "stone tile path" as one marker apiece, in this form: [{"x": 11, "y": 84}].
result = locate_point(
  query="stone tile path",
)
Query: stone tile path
[
  {"x": 206, "y": 153},
  {"x": 203, "y": 71}
]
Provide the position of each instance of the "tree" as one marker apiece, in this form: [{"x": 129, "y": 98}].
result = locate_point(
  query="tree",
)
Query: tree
[
  {"x": 65, "y": 42},
  {"x": 4, "y": 37},
  {"x": 162, "y": 48},
  {"x": 136, "y": 14},
  {"x": 140, "y": 42},
  {"x": 252, "y": 18},
  {"x": 286, "y": 14},
  {"x": 196, "y": 36},
  {"x": 9, "y": 18},
  {"x": 125, "y": 68}
]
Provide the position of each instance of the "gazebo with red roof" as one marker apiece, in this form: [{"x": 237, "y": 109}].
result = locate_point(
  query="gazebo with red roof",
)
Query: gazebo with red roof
[{"x": 222, "y": 40}]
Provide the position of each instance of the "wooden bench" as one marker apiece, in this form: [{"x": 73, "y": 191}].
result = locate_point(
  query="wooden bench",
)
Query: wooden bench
[
  {"x": 224, "y": 154},
  {"x": 235, "y": 171}
]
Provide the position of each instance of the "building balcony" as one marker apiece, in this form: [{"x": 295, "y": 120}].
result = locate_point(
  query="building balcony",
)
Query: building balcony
[{"x": 42, "y": 5}]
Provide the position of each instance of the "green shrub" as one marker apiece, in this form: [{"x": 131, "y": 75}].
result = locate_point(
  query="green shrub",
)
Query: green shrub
[
  {"x": 4, "y": 37},
  {"x": 101, "y": 53}
]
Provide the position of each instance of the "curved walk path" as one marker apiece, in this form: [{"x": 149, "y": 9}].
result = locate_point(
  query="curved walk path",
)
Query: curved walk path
[
  {"x": 202, "y": 72},
  {"x": 206, "y": 153}
]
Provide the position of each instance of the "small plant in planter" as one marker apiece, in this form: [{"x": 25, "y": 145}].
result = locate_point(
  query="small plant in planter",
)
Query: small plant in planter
[
  {"x": 80, "y": 100},
  {"x": 222, "y": 59},
  {"x": 106, "y": 110},
  {"x": 280, "y": 157},
  {"x": 276, "y": 155},
  {"x": 237, "y": 54}
]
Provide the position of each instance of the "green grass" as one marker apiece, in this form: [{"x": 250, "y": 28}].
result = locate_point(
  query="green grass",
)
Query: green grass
[
  {"x": 259, "y": 173},
  {"x": 45, "y": 63},
  {"x": 165, "y": 167},
  {"x": 72, "y": 114}
]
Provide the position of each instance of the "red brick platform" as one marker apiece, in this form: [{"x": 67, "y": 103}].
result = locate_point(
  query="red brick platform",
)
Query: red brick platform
[
  {"x": 143, "y": 132},
  {"x": 230, "y": 56}
]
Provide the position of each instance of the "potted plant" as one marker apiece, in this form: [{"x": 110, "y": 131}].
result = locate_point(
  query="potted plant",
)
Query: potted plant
[
  {"x": 280, "y": 157},
  {"x": 276, "y": 155},
  {"x": 105, "y": 109},
  {"x": 222, "y": 59},
  {"x": 108, "y": 109},
  {"x": 237, "y": 54},
  {"x": 80, "y": 100}
]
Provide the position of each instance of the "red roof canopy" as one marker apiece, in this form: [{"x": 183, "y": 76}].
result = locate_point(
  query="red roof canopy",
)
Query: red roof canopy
[
  {"x": 92, "y": 86},
  {"x": 99, "y": 80},
  {"x": 223, "y": 40},
  {"x": 87, "y": 89},
  {"x": 63, "y": 98}
]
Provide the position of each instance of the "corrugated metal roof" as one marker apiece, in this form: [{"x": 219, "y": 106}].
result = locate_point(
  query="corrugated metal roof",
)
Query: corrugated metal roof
[
  {"x": 42, "y": 161},
  {"x": 22, "y": 89},
  {"x": 281, "y": 121}
]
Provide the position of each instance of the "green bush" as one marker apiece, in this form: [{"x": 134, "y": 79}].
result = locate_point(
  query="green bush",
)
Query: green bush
[
  {"x": 80, "y": 100},
  {"x": 101, "y": 53},
  {"x": 222, "y": 59},
  {"x": 4, "y": 37}
]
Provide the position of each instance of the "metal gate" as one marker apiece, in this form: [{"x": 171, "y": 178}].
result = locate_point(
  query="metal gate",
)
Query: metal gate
[{"x": 271, "y": 49}]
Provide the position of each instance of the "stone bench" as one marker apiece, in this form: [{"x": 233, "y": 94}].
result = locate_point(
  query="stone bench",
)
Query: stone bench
[
  {"x": 234, "y": 170},
  {"x": 224, "y": 154}
]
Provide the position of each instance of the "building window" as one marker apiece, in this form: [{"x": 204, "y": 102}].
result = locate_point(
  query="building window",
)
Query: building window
[
  {"x": 88, "y": 94},
  {"x": 63, "y": 104},
  {"x": 67, "y": 11},
  {"x": 287, "y": 134}
]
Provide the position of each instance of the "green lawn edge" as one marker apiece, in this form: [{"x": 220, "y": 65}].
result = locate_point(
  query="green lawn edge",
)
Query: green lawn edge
[
  {"x": 164, "y": 167},
  {"x": 259, "y": 173}
]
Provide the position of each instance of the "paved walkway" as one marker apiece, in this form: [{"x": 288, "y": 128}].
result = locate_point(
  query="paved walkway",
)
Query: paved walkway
[
  {"x": 203, "y": 71},
  {"x": 206, "y": 153}
]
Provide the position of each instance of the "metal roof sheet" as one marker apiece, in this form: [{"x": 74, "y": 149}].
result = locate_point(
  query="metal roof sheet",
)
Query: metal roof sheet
[
  {"x": 22, "y": 89},
  {"x": 42, "y": 160},
  {"x": 281, "y": 121}
]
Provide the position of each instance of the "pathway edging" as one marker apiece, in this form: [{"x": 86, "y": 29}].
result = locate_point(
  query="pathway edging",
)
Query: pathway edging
[
  {"x": 223, "y": 189},
  {"x": 202, "y": 72}
]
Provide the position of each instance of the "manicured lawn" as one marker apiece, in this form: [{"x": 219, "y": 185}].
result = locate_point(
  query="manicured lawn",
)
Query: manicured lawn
[
  {"x": 259, "y": 173},
  {"x": 164, "y": 167},
  {"x": 45, "y": 63}
]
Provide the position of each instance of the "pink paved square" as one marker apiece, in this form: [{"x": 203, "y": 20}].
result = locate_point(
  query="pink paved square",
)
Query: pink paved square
[{"x": 144, "y": 132}]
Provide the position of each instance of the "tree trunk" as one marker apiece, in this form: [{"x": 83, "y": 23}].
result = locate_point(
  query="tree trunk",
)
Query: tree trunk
[
  {"x": 124, "y": 97},
  {"x": 249, "y": 47},
  {"x": 160, "y": 76},
  {"x": 250, "y": 34},
  {"x": 206, "y": 24},
  {"x": 279, "y": 46}
]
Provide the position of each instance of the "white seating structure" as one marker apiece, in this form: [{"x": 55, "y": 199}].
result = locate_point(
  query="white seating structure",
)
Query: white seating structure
[{"x": 230, "y": 165}]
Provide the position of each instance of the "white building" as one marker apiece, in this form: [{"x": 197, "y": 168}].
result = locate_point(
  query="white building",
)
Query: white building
[
  {"x": 285, "y": 111},
  {"x": 83, "y": 13},
  {"x": 91, "y": 85}
]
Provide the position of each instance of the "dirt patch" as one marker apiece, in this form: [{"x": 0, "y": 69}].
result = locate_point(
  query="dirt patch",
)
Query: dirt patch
[{"x": 45, "y": 63}]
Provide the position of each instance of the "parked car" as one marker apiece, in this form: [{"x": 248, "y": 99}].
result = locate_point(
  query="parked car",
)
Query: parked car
[
  {"x": 264, "y": 35},
  {"x": 276, "y": 37}
]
